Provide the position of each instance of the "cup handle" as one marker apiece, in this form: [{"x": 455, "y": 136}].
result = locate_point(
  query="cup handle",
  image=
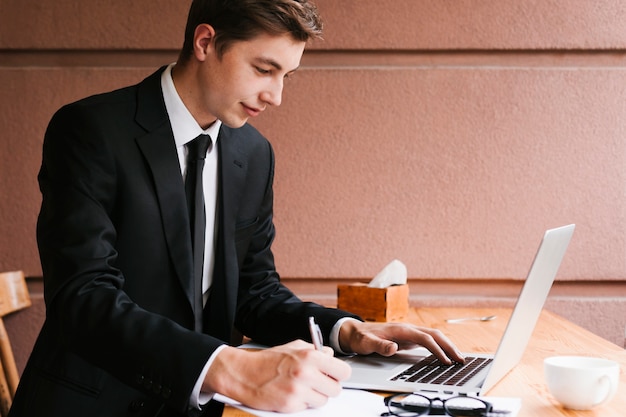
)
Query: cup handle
[{"x": 605, "y": 380}]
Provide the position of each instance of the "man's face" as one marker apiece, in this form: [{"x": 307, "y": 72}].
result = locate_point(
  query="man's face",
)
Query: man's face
[{"x": 246, "y": 79}]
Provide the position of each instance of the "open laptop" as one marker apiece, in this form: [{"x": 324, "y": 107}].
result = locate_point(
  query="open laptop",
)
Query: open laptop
[{"x": 417, "y": 370}]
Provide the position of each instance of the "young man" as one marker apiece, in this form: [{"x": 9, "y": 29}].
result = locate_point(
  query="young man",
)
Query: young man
[{"x": 127, "y": 331}]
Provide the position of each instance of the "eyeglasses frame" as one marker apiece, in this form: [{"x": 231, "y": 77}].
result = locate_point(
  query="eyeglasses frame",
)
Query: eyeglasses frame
[{"x": 387, "y": 400}]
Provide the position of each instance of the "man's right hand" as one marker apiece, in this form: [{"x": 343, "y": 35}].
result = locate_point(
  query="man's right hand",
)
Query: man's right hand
[{"x": 287, "y": 378}]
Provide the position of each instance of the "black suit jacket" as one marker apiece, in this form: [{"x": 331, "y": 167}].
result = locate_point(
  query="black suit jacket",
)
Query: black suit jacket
[{"x": 115, "y": 246}]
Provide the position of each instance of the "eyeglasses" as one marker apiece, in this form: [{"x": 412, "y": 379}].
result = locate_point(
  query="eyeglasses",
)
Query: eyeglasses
[{"x": 411, "y": 405}]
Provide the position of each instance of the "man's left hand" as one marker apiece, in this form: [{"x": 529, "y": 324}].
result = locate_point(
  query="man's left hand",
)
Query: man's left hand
[{"x": 387, "y": 338}]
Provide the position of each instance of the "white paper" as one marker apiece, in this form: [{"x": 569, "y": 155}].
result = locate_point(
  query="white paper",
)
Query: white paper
[
  {"x": 351, "y": 402},
  {"x": 361, "y": 403},
  {"x": 394, "y": 273}
]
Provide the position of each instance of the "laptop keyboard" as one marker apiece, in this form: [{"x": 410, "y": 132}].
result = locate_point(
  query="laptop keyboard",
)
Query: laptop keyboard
[{"x": 431, "y": 371}]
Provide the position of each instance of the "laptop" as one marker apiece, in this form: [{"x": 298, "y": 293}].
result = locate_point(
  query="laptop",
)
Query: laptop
[{"x": 417, "y": 370}]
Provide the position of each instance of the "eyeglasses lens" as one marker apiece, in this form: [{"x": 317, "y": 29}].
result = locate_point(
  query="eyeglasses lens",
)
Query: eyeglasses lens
[
  {"x": 465, "y": 407},
  {"x": 408, "y": 405}
]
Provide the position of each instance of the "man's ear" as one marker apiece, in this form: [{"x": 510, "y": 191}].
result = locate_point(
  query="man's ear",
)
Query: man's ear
[{"x": 203, "y": 41}]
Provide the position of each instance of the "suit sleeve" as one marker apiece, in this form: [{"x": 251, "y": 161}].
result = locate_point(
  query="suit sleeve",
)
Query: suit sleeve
[
  {"x": 90, "y": 312},
  {"x": 268, "y": 311}
]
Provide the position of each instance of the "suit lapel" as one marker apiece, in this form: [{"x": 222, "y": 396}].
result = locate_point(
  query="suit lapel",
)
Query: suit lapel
[{"x": 159, "y": 149}]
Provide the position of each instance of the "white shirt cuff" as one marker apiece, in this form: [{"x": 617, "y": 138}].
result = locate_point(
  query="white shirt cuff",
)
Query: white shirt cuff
[
  {"x": 199, "y": 398},
  {"x": 334, "y": 335}
]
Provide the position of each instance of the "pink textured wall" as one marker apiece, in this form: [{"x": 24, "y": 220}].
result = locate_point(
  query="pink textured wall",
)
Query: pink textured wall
[
  {"x": 466, "y": 24},
  {"x": 446, "y": 133},
  {"x": 456, "y": 171}
]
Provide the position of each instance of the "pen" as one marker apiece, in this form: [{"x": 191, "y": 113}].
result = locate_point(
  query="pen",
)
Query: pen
[{"x": 316, "y": 334}]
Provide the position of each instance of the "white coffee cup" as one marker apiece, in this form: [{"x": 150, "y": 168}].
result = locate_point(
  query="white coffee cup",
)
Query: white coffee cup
[{"x": 581, "y": 382}]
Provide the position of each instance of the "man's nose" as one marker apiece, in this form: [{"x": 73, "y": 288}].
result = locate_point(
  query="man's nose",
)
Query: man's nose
[{"x": 273, "y": 95}]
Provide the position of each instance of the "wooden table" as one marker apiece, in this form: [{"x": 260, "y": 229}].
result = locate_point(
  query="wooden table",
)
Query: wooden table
[{"x": 553, "y": 336}]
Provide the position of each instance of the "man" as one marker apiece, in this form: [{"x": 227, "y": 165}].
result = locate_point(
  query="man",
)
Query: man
[{"x": 129, "y": 331}]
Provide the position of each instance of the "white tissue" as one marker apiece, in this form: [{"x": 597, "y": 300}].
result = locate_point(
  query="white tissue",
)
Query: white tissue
[{"x": 393, "y": 274}]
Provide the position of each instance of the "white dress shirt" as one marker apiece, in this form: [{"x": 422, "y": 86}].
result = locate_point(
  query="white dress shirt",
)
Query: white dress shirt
[{"x": 186, "y": 129}]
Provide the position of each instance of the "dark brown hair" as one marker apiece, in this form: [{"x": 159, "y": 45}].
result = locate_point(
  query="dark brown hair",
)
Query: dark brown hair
[{"x": 240, "y": 20}]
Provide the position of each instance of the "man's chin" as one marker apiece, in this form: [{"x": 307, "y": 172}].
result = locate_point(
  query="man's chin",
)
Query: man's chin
[{"x": 235, "y": 123}]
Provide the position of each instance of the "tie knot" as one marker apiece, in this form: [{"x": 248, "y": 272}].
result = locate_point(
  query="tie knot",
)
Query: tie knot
[{"x": 198, "y": 147}]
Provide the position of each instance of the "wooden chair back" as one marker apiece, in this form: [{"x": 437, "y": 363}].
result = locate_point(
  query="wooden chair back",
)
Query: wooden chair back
[{"x": 13, "y": 297}]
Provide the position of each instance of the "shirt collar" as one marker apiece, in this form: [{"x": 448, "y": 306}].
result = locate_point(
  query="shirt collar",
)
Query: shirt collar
[{"x": 184, "y": 126}]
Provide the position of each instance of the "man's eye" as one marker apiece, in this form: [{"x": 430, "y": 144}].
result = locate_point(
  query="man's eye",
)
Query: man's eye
[{"x": 262, "y": 70}]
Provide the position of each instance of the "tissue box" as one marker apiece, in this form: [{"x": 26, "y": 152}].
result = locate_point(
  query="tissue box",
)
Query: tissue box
[{"x": 374, "y": 304}]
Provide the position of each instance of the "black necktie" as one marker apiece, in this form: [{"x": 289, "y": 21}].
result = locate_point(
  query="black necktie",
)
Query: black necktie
[{"x": 197, "y": 150}]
